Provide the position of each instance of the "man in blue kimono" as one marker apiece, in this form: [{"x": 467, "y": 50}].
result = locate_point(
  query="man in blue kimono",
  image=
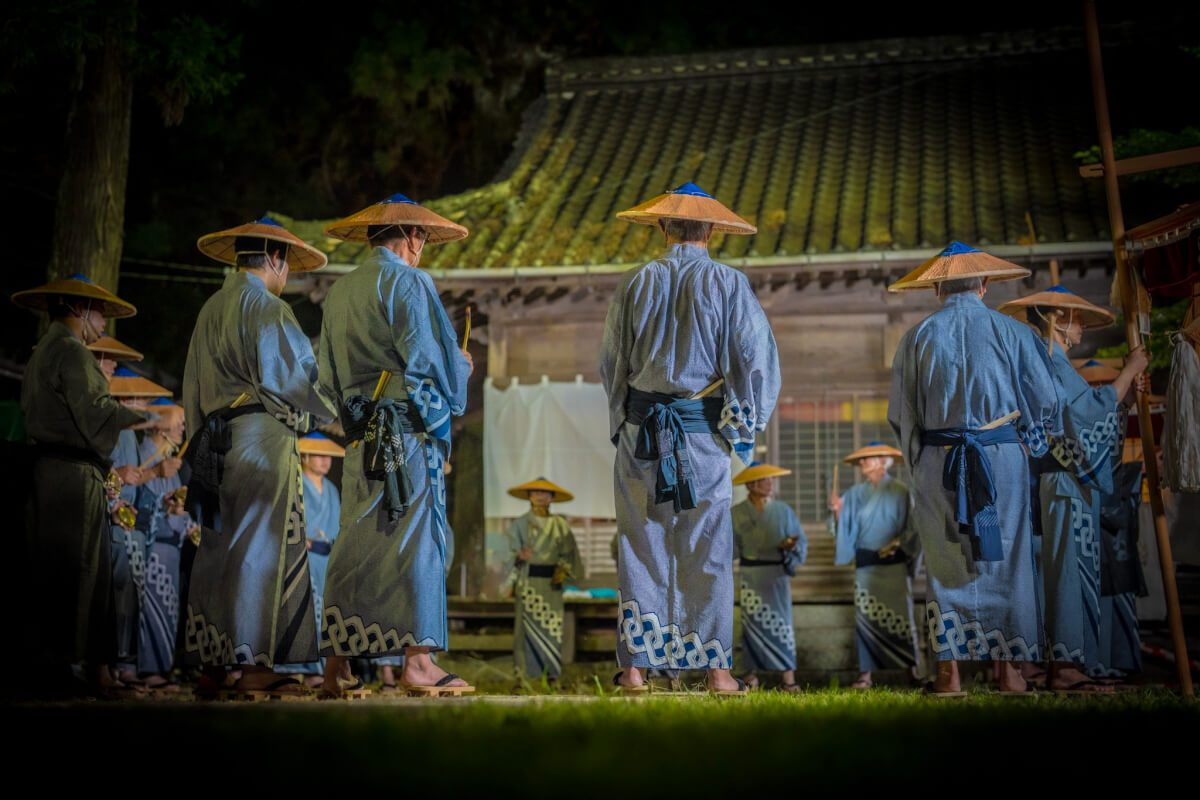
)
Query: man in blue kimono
[
  {"x": 1072, "y": 477},
  {"x": 73, "y": 424},
  {"x": 249, "y": 387},
  {"x": 969, "y": 386},
  {"x": 679, "y": 327},
  {"x": 770, "y": 544},
  {"x": 385, "y": 591},
  {"x": 873, "y": 534}
]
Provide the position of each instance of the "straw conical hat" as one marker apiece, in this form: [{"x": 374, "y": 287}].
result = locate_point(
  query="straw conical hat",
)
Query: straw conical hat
[
  {"x": 756, "y": 472},
  {"x": 222, "y": 245},
  {"x": 688, "y": 202},
  {"x": 396, "y": 210},
  {"x": 104, "y": 301},
  {"x": 165, "y": 408},
  {"x": 957, "y": 261},
  {"x": 1094, "y": 372},
  {"x": 872, "y": 449},
  {"x": 1088, "y": 315},
  {"x": 127, "y": 383},
  {"x": 521, "y": 492},
  {"x": 317, "y": 444},
  {"x": 118, "y": 350}
]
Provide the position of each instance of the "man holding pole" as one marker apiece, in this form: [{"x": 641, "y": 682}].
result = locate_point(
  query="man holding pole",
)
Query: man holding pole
[
  {"x": 249, "y": 387},
  {"x": 386, "y": 330},
  {"x": 692, "y": 373},
  {"x": 969, "y": 386}
]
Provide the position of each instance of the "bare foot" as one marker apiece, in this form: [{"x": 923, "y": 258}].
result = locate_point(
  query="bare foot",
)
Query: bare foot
[
  {"x": 720, "y": 680},
  {"x": 257, "y": 678},
  {"x": 863, "y": 681},
  {"x": 419, "y": 669},
  {"x": 337, "y": 669},
  {"x": 632, "y": 677},
  {"x": 1009, "y": 677},
  {"x": 751, "y": 680},
  {"x": 1065, "y": 677},
  {"x": 947, "y": 677}
]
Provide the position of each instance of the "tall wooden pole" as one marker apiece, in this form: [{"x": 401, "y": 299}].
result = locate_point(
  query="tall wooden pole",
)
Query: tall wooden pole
[{"x": 1132, "y": 335}]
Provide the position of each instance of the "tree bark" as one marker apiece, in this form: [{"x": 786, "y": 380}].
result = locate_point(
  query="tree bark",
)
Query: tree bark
[{"x": 89, "y": 217}]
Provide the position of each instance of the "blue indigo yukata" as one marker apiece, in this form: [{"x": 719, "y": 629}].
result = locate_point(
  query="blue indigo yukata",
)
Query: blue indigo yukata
[
  {"x": 963, "y": 367},
  {"x": 159, "y": 622},
  {"x": 537, "y": 638},
  {"x": 386, "y": 585},
  {"x": 74, "y": 424},
  {"x": 1121, "y": 578},
  {"x": 873, "y": 517},
  {"x": 128, "y": 559},
  {"x": 1073, "y": 475},
  {"x": 765, "y": 591},
  {"x": 674, "y": 327},
  {"x": 322, "y": 515},
  {"x": 250, "y": 598}
]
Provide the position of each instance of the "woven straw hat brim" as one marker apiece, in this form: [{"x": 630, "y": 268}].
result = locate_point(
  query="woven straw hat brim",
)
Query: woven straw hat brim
[
  {"x": 756, "y": 473},
  {"x": 691, "y": 207},
  {"x": 354, "y": 227},
  {"x": 521, "y": 492},
  {"x": 975, "y": 264},
  {"x": 1088, "y": 315},
  {"x": 873, "y": 450},
  {"x": 110, "y": 346},
  {"x": 137, "y": 386},
  {"x": 108, "y": 304},
  {"x": 301, "y": 256},
  {"x": 320, "y": 447},
  {"x": 1100, "y": 374}
]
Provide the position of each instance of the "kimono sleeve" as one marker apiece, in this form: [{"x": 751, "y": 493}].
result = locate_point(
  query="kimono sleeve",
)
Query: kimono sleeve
[
  {"x": 750, "y": 368},
  {"x": 287, "y": 384},
  {"x": 435, "y": 370},
  {"x": 1038, "y": 391},
  {"x": 98, "y": 417},
  {"x": 1092, "y": 432},
  {"x": 614, "y": 360},
  {"x": 792, "y": 527},
  {"x": 568, "y": 553},
  {"x": 902, "y": 400},
  {"x": 847, "y": 529}
]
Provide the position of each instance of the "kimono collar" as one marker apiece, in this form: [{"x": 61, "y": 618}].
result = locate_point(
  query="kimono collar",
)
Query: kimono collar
[
  {"x": 688, "y": 251},
  {"x": 963, "y": 299},
  {"x": 882, "y": 483},
  {"x": 245, "y": 278},
  {"x": 388, "y": 258}
]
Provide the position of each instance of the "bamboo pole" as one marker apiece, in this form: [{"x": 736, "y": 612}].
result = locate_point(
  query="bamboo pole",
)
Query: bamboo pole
[{"x": 1133, "y": 337}]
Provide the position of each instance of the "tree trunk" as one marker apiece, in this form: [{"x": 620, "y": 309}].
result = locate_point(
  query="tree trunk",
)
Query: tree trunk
[{"x": 89, "y": 218}]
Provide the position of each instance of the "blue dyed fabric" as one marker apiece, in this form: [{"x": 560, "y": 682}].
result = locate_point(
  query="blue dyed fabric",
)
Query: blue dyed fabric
[
  {"x": 322, "y": 515},
  {"x": 386, "y": 584},
  {"x": 249, "y": 598},
  {"x": 963, "y": 367},
  {"x": 1070, "y": 514},
  {"x": 872, "y": 518},
  {"x": 537, "y": 638},
  {"x": 675, "y": 326},
  {"x": 128, "y": 550},
  {"x": 765, "y": 591}
]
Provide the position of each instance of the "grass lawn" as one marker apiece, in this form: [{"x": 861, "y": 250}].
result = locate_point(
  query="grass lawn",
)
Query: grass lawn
[{"x": 602, "y": 746}]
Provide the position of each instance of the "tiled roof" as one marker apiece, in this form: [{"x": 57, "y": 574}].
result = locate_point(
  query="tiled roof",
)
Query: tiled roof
[{"x": 868, "y": 146}]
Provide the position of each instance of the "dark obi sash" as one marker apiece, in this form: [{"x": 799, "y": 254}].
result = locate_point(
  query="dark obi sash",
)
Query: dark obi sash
[
  {"x": 78, "y": 455},
  {"x": 871, "y": 558},
  {"x": 968, "y": 473},
  {"x": 784, "y": 563},
  {"x": 205, "y": 458},
  {"x": 319, "y": 547},
  {"x": 380, "y": 425},
  {"x": 665, "y": 422},
  {"x": 541, "y": 570}
]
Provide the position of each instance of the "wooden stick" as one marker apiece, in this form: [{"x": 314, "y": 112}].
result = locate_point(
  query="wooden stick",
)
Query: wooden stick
[
  {"x": 242, "y": 399},
  {"x": 384, "y": 378},
  {"x": 467, "y": 332},
  {"x": 707, "y": 390},
  {"x": 162, "y": 448},
  {"x": 1133, "y": 337},
  {"x": 1007, "y": 418}
]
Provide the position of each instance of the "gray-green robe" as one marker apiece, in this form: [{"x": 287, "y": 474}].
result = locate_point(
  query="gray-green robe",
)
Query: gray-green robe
[
  {"x": 537, "y": 638},
  {"x": 67, "y": 406}
]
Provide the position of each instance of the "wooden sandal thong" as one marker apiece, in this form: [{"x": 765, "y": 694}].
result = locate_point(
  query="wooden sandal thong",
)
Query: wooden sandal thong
[
  {"x": 741, "y": 691},
  {"x": 632, "y": 690},
  {"x": 287, "y": 690},
  {"x": 438, "y": 689}
]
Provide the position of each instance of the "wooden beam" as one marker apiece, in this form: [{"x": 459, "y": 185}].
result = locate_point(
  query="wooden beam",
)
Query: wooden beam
[{"x": 1132, "y": 166}]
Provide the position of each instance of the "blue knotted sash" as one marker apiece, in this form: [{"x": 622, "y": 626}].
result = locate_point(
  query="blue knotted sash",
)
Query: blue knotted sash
[
  {"x": 380, "y": 425},
  {"x": 968, "y": 473},
  {"x": 665, "y": 422}
]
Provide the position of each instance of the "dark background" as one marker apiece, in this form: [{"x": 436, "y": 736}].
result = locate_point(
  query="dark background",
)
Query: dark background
[{"x": 245, "y": 107}]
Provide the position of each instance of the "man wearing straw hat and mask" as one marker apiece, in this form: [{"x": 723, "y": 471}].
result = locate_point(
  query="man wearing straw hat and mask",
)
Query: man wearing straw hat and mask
[
  {"x": 389, "y": 356},
  {"x": 770, "y": 544},
  {"x": 873, "y": 534},
  {"x": 545, "y": 556},
  {"x": 249, "y": 387},
  {"x": 680, "y": 327},
  {"x": 969, "y": 385},
  {"x": 1072, "y": 476},
  {"x": 73, "y": 423}
]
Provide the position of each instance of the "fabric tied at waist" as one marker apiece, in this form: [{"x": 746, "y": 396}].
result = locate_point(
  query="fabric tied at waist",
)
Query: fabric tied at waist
[
  {"x": 871, "y": 558},
  {"x": 1046, "y": 465},
  {"x": 542, "y": 570},
  {"x": 380, "y": 425},
  {"x": 205, "y": 457},
  {"x": 65, "y": 452},
  {"x": 665, "y": 422},
  {"x": 968, "y": 473},
  {"x": 319, "y": 547}
]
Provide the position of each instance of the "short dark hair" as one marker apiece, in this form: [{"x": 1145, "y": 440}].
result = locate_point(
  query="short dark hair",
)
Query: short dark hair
[
  {"x": 250, "y": 251},
  {"x": 63, "y": 305},
  {"x": 379, "y": 235},
  {"x": 685, "y": 230},
  {"x": 960, "y": 285}
]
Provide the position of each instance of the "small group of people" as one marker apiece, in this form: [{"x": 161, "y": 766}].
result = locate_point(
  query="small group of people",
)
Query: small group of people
[{"x": 287, "y": 580}]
